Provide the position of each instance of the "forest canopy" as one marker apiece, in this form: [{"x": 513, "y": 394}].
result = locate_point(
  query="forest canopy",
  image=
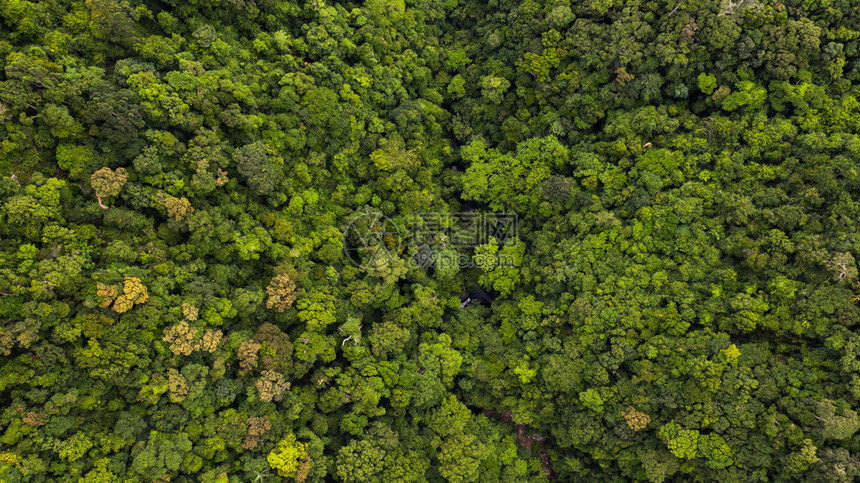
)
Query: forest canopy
[{"x": 260, "y": 240}]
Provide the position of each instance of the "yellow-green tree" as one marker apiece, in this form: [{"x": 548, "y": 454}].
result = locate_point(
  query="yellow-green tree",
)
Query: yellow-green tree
[
  {"x": 286, "y": 456},
  {"x": 107, "y": 182},
  {"x": 177, "y": 208}
]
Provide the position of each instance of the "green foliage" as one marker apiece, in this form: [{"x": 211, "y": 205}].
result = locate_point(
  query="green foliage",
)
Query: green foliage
[
  {"x": 707, "y": 83},
  {"x": 253, "y": 162},
  {"x": 188, "y": 293},
  {"x": 684, "y": 445},
  {"x": 286, "y": 455},
  {"x": 592, "y": 400},
  {"x": 460, "y": 458},
  {"x": 838, "y": 422},
  {"x": 510, "y": 183},
  {"x": 714, "y": 448},
  {"x": 746, "y": 94},
  {"x": 456, "y": 87},
  {"x": 359, "y": 461}
]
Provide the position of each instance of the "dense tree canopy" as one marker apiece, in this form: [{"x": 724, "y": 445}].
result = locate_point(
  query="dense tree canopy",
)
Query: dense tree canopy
[{"x": 409, "y": 241}]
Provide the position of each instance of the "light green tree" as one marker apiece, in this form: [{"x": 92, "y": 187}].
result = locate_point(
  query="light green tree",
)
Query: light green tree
[{"x": 286, "y": 455}]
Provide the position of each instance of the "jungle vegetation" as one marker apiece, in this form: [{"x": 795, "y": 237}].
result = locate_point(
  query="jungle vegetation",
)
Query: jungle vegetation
[{"x": 184, "y": 296}]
